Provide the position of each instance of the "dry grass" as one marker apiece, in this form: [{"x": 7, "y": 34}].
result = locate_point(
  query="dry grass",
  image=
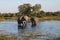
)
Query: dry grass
[
  {"x": 5, "y": 37},
  {"x": 49, "y": 18},
  {"x": 40, "y": 19}
]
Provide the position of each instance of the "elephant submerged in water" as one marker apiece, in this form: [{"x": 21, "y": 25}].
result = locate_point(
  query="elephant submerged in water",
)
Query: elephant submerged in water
[
  {"x": 33, "y": 21},
  {"x": 21, "y": 22}
]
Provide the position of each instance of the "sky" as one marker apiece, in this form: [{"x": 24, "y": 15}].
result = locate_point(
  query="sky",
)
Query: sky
[{"x": 11, "y": 6}]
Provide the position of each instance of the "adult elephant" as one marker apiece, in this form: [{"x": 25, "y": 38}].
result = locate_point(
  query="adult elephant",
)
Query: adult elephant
[{"x": 22, "y": 21}]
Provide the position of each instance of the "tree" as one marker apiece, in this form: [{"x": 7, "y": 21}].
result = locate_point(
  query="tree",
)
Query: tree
[
  {"x": 23, "y": 9},
  {"x": 27, "y": 9},
  {"x": 37, "y": 7},
  {"x": 57, "y": 13},
  {"x": 42, "y": 13}
]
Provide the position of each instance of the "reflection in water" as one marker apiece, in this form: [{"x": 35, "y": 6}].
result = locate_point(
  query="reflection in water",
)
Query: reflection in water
[
  {"x": 44, "y": 30},
  {"x": 49, "y": 29}
]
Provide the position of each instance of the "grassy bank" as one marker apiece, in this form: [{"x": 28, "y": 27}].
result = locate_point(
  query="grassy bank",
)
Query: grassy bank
[
  {"x": 40, "y": 19},
  {"x": 49, "y": 18},
  {"x": 8, "y": 18}
]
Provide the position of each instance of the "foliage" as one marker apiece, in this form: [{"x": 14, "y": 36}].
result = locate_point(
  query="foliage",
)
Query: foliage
[{"x": 27, "y": 9}]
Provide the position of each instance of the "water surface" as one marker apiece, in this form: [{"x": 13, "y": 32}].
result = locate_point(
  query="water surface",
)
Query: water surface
[{"x": 49, "y": 28}]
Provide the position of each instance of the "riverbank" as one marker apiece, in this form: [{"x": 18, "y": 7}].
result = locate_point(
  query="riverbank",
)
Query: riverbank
[
  {"x": 8, "y": 19},
  {"x": 39, "y": 19},
  {"x": 49, "y": 18}
]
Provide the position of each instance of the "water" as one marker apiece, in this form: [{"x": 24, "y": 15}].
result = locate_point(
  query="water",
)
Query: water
[
  {"x": 9, "y": 26},
  {"x": 48, "y": 29}
]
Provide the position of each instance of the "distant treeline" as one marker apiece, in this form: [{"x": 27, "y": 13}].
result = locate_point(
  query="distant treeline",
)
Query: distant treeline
[
  {"x": 39, "y": 14},
  {"x": 27, "y": 9}
]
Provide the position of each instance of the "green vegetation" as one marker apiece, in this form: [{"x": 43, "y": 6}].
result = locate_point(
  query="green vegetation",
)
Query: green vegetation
[{"x": 27, "y": 9}]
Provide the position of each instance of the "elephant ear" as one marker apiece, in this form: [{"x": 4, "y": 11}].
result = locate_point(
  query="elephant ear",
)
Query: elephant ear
[
  {"x": 26, "y": 17},
  {"x": 20, "y": 18}
]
